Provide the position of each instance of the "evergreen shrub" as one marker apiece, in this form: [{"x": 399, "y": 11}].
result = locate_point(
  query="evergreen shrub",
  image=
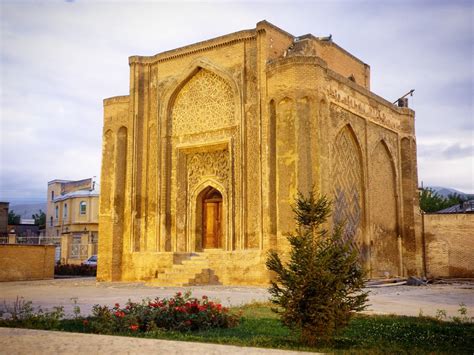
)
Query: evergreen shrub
[{"x": 320, "y": 286}]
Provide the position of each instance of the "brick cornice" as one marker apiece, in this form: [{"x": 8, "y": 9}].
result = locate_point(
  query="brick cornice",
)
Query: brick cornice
[{"x": 221, "y": 41}]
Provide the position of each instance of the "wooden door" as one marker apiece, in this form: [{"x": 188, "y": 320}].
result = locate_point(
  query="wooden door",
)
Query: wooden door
[{"x": 212, "y": 220}]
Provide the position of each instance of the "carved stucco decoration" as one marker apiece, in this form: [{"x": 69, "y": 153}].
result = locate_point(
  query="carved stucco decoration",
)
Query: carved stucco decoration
[
  {"x": 214, "y": 164},
  {"x": 206, "y": 102},
  {"x": 350, "y": 103}
]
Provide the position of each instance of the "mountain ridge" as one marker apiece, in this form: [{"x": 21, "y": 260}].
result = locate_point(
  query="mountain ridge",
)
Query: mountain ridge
[
  {"x": 446, "y": 191},
  {"x": 26, "y": 210}
]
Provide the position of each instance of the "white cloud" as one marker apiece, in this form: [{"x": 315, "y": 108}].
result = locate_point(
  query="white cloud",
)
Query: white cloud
[{"x": 60, "y": 59}]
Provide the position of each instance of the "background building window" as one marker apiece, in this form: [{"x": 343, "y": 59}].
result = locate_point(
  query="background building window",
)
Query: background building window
[
  {"x": 65, "y": 210},
  {"x": 52, "y": 195},
  {"x": 83, "y": 207},
  {"x": 57, "y": 212},
  {"x": 51, "y": 222}
]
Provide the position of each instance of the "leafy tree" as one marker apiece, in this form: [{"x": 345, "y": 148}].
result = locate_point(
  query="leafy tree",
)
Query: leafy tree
[
  {"x": 40, "y": 219},
  {"x": 455, "y": 199},
  {"x": 13, "y": 218},
  {"x": 320, "y": 286},
  {"x": 431, "y": 201}
]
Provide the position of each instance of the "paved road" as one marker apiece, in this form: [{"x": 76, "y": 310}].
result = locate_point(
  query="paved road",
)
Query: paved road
[
  {"x": 426, "y": 300},
  {"x": 402, "y": 300},
  {"x": 88, "y": 292}
]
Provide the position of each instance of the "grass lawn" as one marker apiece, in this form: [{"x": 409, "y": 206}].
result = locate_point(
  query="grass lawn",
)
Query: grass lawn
[{"x": 260, "y": 327}]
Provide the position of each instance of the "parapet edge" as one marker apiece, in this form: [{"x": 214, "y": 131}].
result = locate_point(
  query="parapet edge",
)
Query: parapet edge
[
  {"x": 116, "y": 100},
  {"x": 195, "y": 47}
]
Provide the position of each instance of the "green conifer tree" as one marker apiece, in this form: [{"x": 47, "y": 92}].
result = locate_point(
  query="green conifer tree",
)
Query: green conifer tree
[{"x": 320, "y": 287}]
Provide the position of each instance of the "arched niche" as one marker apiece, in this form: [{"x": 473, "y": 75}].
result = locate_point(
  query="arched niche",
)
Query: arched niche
[
  {"x": 175, "y": 87},
  {"x": 347, "y": 176},
  {"x": 108, "y": 147},
  {"x": 204, "y": 103},
  {"x": 382, "y": 184}
]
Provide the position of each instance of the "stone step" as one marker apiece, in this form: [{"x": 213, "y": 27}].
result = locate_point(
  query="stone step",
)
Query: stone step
[
  {"x": 169, "y": 274},
  {"x": 194, "y": 262},
  {"x": 187, "y": 268},
  {"x": 176, "y": 277},
  {"x": 192, "y": 271}
]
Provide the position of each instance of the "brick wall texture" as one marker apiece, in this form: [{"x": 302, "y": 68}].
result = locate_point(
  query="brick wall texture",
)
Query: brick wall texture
[
  {"x": 26, "y": 262},
  {"x": 449, "y": 242}
]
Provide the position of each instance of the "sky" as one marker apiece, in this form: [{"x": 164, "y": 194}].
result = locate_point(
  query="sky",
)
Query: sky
[{"x": 60, "y": 59}]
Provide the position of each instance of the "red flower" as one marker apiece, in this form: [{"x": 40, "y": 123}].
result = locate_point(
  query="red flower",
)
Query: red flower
[
  {"x": 204, "y": 297},
  {"x": 119, "y": 314},
  {"x": 178, "y": 294},
  {"x": 117, "y": 305},
  {"x": 134, "y": 327},
  {"x": 85, "y": 322}
]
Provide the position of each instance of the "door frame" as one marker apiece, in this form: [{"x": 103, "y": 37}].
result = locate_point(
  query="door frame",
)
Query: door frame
[
  {"x": 194, "y": 229},
  {"x": 218, "y": 219}
]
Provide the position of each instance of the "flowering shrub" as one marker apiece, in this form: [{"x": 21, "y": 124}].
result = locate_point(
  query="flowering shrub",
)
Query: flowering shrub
[{"x": 181, "y": 312}]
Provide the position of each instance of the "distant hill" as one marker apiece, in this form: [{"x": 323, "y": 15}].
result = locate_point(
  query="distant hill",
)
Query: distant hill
[
  {"x": 26, "y": 210},
  {"x": 445, "y": 191}
]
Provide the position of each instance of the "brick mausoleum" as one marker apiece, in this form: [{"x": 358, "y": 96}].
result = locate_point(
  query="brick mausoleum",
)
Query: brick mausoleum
[{"x": 204, "y": 157}]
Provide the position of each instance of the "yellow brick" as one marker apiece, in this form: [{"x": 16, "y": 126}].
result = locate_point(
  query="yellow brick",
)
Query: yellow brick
[{"x": 215, "y": 139}]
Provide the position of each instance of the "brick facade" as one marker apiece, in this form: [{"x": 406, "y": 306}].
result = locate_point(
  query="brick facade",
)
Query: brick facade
[{"x": 253, "y": 117}]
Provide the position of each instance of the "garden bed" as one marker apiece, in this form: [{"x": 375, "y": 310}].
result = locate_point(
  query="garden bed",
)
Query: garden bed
[{"x": 260, "y": 327}]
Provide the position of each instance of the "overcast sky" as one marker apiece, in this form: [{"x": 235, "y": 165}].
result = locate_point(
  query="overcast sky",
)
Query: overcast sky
[{"x": 59, "y": 59}]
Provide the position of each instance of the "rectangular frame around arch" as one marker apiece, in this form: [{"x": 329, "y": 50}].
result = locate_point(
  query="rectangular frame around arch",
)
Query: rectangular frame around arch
[{"x": 187, "y": 213}]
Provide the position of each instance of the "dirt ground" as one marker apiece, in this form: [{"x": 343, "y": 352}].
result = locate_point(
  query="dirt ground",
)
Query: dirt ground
[{"x": 401, "y": 300}]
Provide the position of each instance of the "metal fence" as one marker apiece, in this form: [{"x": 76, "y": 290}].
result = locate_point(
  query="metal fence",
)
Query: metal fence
[
  {"x": 75, "y": 250},
  {"x": 30, "y": 240},
  {"x": 79, "y": 251},
  {"x": 34, "y": 240}
]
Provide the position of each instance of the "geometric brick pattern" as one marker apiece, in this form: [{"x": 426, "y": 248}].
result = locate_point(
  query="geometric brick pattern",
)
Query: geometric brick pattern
[{"x": 347, "y": 185}]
